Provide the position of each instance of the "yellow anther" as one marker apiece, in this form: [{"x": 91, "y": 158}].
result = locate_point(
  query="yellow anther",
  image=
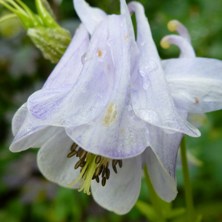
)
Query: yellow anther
[
  {"x": 173, "y": 25},
  {"x": 164, "y": 43}
]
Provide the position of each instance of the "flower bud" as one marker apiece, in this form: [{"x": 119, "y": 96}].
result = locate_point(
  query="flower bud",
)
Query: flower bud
[
  {"x": 52, "y": 42},
  {"x": 42, "y": 28}
]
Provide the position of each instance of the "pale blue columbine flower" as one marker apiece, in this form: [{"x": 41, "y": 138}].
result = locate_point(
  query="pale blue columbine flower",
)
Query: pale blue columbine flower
[{"x": 109, "y": 108}]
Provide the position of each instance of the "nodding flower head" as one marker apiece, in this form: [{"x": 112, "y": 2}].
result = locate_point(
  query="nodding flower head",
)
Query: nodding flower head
[{"x": 97, "y": 119}]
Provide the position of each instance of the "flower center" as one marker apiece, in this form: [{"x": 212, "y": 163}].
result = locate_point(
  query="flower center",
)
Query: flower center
[{"x": 93, "y": 167}]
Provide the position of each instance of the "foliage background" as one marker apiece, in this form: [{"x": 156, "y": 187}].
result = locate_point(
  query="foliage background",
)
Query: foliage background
[{"x": 25, "y": 195}]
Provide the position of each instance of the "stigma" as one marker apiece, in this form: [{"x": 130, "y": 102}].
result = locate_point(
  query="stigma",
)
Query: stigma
[
  {"x": 92, "y": 167},
  {"x": 173, "y": 25},
  {"x": 165, "y": 43},
  {"x": 176, "y": 26}
]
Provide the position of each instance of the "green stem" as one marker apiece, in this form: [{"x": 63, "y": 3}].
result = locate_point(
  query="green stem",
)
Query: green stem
[
  {"x": 156, "y": 201},
  {"x": 187, "y": 183},
  {"x": 7, "y": 17}
]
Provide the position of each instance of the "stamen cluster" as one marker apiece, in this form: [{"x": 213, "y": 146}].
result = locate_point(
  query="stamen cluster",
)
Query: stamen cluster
[{"x": 92, "y": 167}]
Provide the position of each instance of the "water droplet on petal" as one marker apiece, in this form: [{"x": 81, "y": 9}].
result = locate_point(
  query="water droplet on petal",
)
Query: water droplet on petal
[
  {"x": 146, "y": 85},
  {"x": 83, "y": 58},
  {"x": 142, "y": 43},
  {"x": 142, "y": 72}
]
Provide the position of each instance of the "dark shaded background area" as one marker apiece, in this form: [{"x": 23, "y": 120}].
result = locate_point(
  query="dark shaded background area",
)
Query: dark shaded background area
[{"x": 25, "y": 195}]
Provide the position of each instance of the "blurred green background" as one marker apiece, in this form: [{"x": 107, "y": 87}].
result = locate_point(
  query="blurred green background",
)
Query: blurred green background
[{"x": 25, "y": 195}]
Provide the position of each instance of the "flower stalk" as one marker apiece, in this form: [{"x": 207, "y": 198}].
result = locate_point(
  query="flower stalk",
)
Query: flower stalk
[{"x": 187, "y": 183}]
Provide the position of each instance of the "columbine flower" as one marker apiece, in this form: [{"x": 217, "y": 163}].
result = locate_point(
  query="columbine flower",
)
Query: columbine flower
[{"x": 107, "y": 110}]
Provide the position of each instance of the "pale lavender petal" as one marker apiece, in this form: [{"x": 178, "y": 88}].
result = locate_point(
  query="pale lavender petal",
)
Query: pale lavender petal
[
  {"x": 150, "y": 90},
  {"x": 195, "y": 84},
  {"x": 116, "y": 132},
  {"x": 163, "y": 183},
  {"x": 125, "y": 137},
  {"x": 161, "y": 159},
  {"x": 19, "y": 118},
  {"x": 165, "y": 146},
  {"x": 126, "y": 13},
  {"x": 89, "y": 96},
  {"x": 63, "y": 77},
  {"x": 67, "y": 71},
  {"x": 86, "y": 99},
  {"x": 32, "y": 137},
  {"x": 122, "y": 189},
  {"x": 27, "y": 133},
  {"x": 144, "y": 35},
  {"x": 88, "y": 15},
  {"x": 53, "y": 162}
]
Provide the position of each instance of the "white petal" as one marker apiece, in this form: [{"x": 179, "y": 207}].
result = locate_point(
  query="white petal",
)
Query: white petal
[
  {"x": 67, "y": 71},
  {"x": 53, "y": 162},
  {"x": 125, "y": 137},
  {"x": 116, "y": 132},
  {"x": 27, "y": 133},
  {"x": 163, "y": 183},
  {"x": 165, "y": 146},
  {"x": 151, "y": 99},
  {"x": 89, "y": 16},
  {"x": 126, "y": 13},
  {"x": 195, "y": 84},
  {"x": 122, "y": 189},
  {"x": 19, "y": 118},
  {"x": 62, "y": 78},
  {"x": 144, "y": 36},
  {"x": 88, "y": 95},
  {"x": 32, "y": 137}
]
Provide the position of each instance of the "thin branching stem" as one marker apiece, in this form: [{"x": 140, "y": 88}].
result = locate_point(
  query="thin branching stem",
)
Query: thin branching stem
[{"x": 187, "y": 183}]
